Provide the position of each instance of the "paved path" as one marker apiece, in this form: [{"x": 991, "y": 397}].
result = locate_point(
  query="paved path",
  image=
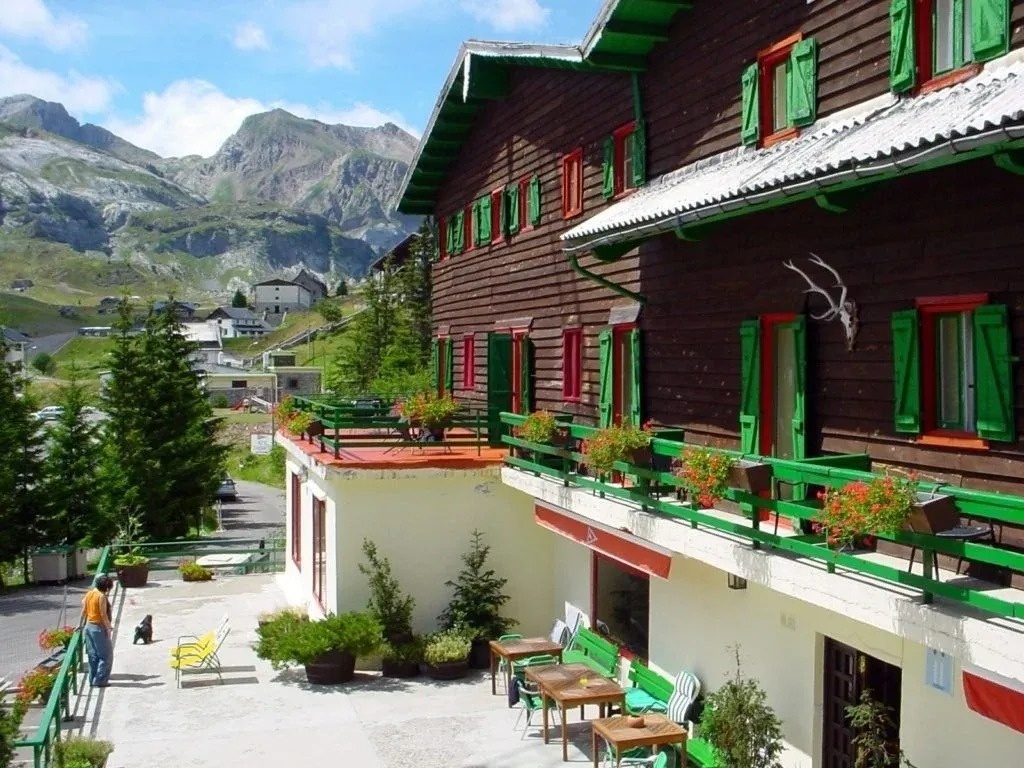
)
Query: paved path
[{"x": 258, "y": 512}]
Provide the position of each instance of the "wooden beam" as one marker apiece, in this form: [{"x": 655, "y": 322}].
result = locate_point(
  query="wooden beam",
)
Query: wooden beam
[
  {"x": 656, "y": 32},
  {"x": 1010, "y": 161},
  {"x": 616, "y": 61}
]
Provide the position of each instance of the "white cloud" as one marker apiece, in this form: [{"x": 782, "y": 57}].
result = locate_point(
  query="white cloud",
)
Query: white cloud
[
  {"x": 194, "y": 117},
  {"x": 79, "y": 93},
  {"x": 250, "y": 37},
  {"x": 508, "y": 15},
  {"x": 32, "y": 20}
]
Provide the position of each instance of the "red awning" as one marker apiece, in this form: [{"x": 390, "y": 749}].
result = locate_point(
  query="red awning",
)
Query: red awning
[
  {"x": 623, "y": 547},
  {"x": 995, "y": 697}
]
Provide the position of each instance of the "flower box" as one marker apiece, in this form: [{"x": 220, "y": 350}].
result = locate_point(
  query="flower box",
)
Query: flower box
[
  {"x": 750, "y": 476},
  {"x": 932, "y": 513}
]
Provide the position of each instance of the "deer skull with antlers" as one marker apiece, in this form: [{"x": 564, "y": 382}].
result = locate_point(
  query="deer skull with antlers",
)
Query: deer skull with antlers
[{"x": 842, "y": 308}]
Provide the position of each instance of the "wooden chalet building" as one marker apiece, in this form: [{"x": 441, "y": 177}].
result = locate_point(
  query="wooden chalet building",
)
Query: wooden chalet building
[{"x": 787, "y": 227}]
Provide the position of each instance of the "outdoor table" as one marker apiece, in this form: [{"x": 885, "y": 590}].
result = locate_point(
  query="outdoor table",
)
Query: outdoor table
[
  {"x": 564, "y": 684},
  {"x": 657, "y": 730},
  {"x": 523, "y": 648}
]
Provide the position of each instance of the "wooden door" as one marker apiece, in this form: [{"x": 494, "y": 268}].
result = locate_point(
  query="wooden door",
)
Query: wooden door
[{"x": 499, "y": 383}]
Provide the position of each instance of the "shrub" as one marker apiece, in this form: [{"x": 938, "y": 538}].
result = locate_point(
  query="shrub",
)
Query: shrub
[
  {"x": 538, "y": 427},
  {"x": 219, "y": 401},
  {"x": 410, "y": 652},
  {"x": 43, "y": 363},
  {"x": 615, "y": 443},
  {"x": 873, "y": 725},
  {"x": 85, "y": 753},
  {"x": 477, "y": 596},
  {"x": 391, "y": 607},
  {"x": 36, "y": 685},
  {"x": 879, "y": 506},
  {"x": 299, "y": 422},
  {"x": 705, "y": 474},
  {"x": 56, "y": 638},
  {"x": 289, "y": 640},
  {"x": 192, "y": 571},
  {"x": 285, "y": 408},
  {"x": 447, "y": 646},
  {"x": 10, "y": 728},
  {"x": 429, "y": 410}
]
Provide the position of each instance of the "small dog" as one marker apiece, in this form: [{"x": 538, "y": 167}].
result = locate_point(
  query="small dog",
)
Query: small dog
[{"x": 144, "y": 630}]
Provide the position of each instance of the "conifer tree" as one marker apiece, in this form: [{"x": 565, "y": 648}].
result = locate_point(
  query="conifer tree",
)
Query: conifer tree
[{"x": 238, "y": 301}]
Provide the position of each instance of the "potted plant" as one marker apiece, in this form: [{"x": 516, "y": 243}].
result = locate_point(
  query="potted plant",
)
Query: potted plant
[
  {"x": 192, "y": 571},
  {"x": 876, "y": 739},
  {"x": 705, "y": 475},
  {"x": 299, "y": 422},
  {"x": 434, "y": 412},
  {"x": 402, "y": 652},
  {"x": 55, "y": 639},
  {"x": 543, "y": 427},
  {"x": 78, "y": 752},
  {"x": 266, "y": 617},
  {"x": 881, "y": 505},
  {"x": 623, "y": 442},
  {"x": 446, "y": 654},
  {"x": 476, "y": 603},
  {"x": 132, "y": 568},
  {"x": 327, "y": 648},
  {"x": 36, "y": 685},
  {"x": 739, "y": 724},
  {"x": 11, "y": 717}
]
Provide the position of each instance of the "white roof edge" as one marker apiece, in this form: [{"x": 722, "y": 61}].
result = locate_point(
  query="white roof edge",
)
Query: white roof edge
[{"x": 593, "y": 36}]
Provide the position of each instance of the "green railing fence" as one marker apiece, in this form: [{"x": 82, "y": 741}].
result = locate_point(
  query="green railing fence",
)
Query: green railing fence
[{"x": 653, "y": 488}]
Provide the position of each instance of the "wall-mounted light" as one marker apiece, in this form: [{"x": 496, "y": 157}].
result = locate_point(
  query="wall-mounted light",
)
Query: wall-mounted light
[
  {"x": 736, "y": 582},
  {"x": 304, "y": 474}
]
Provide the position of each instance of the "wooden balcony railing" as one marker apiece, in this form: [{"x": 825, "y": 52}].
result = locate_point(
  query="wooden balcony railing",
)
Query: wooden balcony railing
[{"x": 653, "y": 489}]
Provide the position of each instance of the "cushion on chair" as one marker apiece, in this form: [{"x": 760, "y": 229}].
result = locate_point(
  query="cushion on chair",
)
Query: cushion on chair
[{"x": 640, "y": 700}]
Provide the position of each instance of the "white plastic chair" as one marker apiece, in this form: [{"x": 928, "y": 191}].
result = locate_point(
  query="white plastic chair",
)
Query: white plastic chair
[{"x": 684, "y": 693}]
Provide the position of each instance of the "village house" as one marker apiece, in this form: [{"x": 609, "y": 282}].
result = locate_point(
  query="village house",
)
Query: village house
[
  {"x": 279, "y": 295},
  {"x": 782, "y": 228},
  {"x": 17, "y": 345},
  {"x": 235, "y": 322}
]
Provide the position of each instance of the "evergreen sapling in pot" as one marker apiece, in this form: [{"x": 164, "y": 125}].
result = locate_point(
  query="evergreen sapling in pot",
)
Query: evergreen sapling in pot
[
  {"x": 477, "y": 600},
  {"x": 402, "y": 651}
]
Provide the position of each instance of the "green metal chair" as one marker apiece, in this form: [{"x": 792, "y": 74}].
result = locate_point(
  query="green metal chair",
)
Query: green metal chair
[
  {"x": 530, "y": 698},
  {"x": 639, "y": 757},
  {"x": 519, "y": 667},
  {"x": 502, "y": 664}
]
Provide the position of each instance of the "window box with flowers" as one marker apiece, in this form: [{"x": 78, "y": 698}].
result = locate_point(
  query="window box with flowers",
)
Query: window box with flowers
[
  {"x": 885, "y": 504},
  {"x": 625, "y": 443},
  {"x": 707, "y": 475},
  {"x": 434, "y": 413}
]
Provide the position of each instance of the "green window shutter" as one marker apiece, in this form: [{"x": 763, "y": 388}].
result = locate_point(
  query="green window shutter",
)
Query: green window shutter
[
  {"x": 449, "y": 232},
  {"x": 990, "y": 28},
  {"x": 503, "y": 213},
  {"x": 449, "y": 366},
  {"x": 607, "y": 378},
  {"x": 906, "y": 358},
  {"x": 484, "y": 227},
  {"x": 499, "y": 383},
  {"x": 458, "y": 232},
  {"x": 639, "y": 147},
  {"x": 434, "y": 364},
  {"x": 750, "y": 115},
  {"x": 902, "y": 60},
  {"x": 533, "y": 201},
  {"x": 636, "y": 394},
  {"x": 608, "y": 167},
  {"x": 799, "y": 328},
  {"x": 802, "y": 84},
  {"x": 525, "y": 374},
  {"x": 512, "y": 210},
  {"x": 993, "y": 374},
  {"x": 477, "y": 216},
  {"x": 750, "y": 385}
]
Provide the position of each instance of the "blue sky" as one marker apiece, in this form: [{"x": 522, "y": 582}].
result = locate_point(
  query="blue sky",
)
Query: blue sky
[{"x": 180, "y": 81}]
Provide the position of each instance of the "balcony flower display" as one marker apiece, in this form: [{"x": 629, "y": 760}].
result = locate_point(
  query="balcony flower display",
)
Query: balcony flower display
[
  {"x": 435, "y": 412},
  {"x": 881, "y": 505},
  {"x": 52, "y": 639},
  {"x": 705, "y": 474},
  {"x": 623, "y": 442},
  {"x": 543, "y": 427}
]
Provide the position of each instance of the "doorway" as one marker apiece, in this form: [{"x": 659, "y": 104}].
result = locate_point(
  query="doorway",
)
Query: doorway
[
  {"x": 509, "y": 379},
  {"x": 620, "y": 603},
  {"x": 847, "y": 674}
]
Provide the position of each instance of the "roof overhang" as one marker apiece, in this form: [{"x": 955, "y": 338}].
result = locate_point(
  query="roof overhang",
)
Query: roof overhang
[
  {"x": 398, "y": 253},
  {"x": 619, "y": 40},
  {"x": 873, "y": 142}
]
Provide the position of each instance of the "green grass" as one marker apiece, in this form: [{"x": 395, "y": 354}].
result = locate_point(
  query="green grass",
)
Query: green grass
[
  {"x": 90, "y": 354},
  {"x": 39, "y": 318},
  {"x": 269, "y": 469},
  {"x": 241, "y": 416},
  {"x": 296, "y": 323}
]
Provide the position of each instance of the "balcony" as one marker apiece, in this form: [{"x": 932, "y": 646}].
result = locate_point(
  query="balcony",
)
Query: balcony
[{"x": 753, "y": 520}]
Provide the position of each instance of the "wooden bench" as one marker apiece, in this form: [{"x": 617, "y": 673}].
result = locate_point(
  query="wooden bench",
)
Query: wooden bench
[
  {"x": 650, "y": 691},
  {"x": 590, "y": 648}
]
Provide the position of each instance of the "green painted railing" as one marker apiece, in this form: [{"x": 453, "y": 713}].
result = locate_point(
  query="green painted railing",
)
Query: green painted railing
[
  {"x": 653, "y": 488},
  {"x": 264, "y": 556}
]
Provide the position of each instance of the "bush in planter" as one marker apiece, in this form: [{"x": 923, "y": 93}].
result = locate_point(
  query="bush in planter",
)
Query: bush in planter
[
  {"x": 51, "y": 639},
  {"x": 402, "y": 660},
  {"x": 11, "y": 716},
  {"x": 477, "y": 600},
  {"x": 402, "y": 651},
  {"x": 538, "y": 427},
  {"x": 36, "y": 685},
  {"x": 82, "y": 753},
  {"x": 882, "y": 505},
  {"x": 447, "y": 653},
  {"x": 132, "y": 568},
  {"x": 192, "y": 571},
  {"x": 705, "y": 474},
  {"x": 432, "y": 411},
  {"x": 289, "y": 640},
  {"x": 299, "y": 422},
  {"x": 616, "y": 443},
  {"x": 291, "y": 612},
  {"x": 738, "y": 722}
]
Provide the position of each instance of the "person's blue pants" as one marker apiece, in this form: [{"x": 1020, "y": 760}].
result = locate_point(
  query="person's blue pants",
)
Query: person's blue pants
[{"x": 100, "y": 652}]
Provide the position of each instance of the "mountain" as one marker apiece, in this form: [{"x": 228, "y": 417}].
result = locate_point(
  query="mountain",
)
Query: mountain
[{"x": 82, "y": 208}]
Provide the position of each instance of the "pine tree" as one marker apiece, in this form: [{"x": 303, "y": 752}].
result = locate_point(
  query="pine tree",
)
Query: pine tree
[
  {"x": 71, "y": 475},
  {"x": 238, "y": 301},
  {"x": 342, "y": 289}
]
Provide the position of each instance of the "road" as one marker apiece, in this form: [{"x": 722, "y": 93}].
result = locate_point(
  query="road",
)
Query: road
[{"x": 258, "y": 512}]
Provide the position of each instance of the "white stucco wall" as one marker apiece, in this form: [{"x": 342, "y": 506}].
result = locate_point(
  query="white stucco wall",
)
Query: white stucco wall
[{"x": 284, "y": 296}]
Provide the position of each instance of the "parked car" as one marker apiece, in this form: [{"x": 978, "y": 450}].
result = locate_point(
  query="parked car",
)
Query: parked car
[
  {"x": 49, "y": 413},
  {"x": 227, "y": 490}
]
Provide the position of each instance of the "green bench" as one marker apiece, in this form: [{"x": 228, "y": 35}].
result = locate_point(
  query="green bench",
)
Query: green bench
[
  {"x": 699, "y": 753},
  {"x": 650, "y": 691},
  {"x": 590, "y": 648}
]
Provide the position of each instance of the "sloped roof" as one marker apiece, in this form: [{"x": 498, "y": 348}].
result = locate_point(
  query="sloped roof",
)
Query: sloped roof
[
  {"x": 619, "y": 40},
  {"x": 235, "y": 313},
  {"x": 879, "y": 138},
  {"x": 15, "y": 337},
  {"x": 398, "y": 253}
]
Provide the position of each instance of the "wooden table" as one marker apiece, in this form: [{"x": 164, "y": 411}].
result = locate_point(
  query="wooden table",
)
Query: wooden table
[
  {"x": 564, "y": 684},
  {"x": 524, "y": 648},
  {"x": 657, "y": 730}
]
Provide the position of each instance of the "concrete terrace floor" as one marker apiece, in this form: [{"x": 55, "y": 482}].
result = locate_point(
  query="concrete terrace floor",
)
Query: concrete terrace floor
[{"x": 259, "y": 717}]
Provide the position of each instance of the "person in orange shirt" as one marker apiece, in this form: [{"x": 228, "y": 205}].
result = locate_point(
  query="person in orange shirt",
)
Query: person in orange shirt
[{"x": 98, "y": 631}]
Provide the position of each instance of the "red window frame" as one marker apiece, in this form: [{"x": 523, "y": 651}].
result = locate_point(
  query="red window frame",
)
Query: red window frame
[
  {"x": 768, "y": 60},
  {"x": 524, "y": 205},
  {"x": 517, "y": 368},
  {"x": 572, "y": 364},
  {"x": 319, "y": 569},
  {"x": 497, "y": 196},
  {"x": 469, "y": 229},
  {"x": 572, "y": 184},
  {"x": 924, "y": 53},
  {"x": 621, "y": 350},
  {"x": 619, "y": 138},
  {"x": 442, "y": 242},
  {"x": 928, "y": 308},
  {"x": 444, "y": 348},
  {"x": 296, "y": 520},
  {"x": 468, "y": 361}
]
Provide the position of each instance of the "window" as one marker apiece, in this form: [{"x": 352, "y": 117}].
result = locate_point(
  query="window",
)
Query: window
[
  {"x": 293, "y": 383},
  {"x": 468, "y": 362},
  {"x": 953, "y": 371},
  {"x": 625, "y": 160},
  {"x": 572, "y": 364},
  {"x": 620, "y": 597},
  {"x": 319, "y": 550},
  {"x": 620, "y": 365},
  {"x": 239, "y": 384},
  {"x": 934, "y": 42},
  {"x": 529, "y": 202},
  {"x": 296, "y": 520},
  {"x": 572, "y": 184},
  {"x": 441, "y": 365},
  {"x": 780, "y": 91},
  {"x": 497, "y": 217},
  {"x": 470, "y": 225}
]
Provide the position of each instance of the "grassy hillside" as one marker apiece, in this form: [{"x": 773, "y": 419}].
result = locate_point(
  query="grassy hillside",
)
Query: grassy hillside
[
  {"x": 296, "y": 323},
  {"x": 89, "y": 354},
  {"x": 39, "y": 318}
]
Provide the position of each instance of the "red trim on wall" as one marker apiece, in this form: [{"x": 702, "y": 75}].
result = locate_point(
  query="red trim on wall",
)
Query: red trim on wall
[
  {"x": 468, "y": 361},
  {"x": 623, "y": 548},
  {"x": 993, "y": 699},
  {"x": 572, "y": 364}
]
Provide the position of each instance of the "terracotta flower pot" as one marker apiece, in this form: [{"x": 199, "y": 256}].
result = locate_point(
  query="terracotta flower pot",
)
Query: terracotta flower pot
[
  {"x": 635, "y": 721},
  {"x": 932, "y": 513},
  {"x": 640, "y": 457},
  {"x": 133, "y": 575},
  {"x": 447, "y": 670},
  {"x": 750, "y": 476},
  {"x": 331, "y": 668},
  {"x": 389, "y": 668},
  {"x": 480, "y": 654}
]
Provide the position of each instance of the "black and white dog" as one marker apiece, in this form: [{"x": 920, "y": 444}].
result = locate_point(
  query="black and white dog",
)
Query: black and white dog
[{"x": 144, "y": 630}]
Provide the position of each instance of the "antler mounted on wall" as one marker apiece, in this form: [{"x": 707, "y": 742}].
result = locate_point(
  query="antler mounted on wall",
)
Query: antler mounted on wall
[{"x": 842, "y": 308}]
